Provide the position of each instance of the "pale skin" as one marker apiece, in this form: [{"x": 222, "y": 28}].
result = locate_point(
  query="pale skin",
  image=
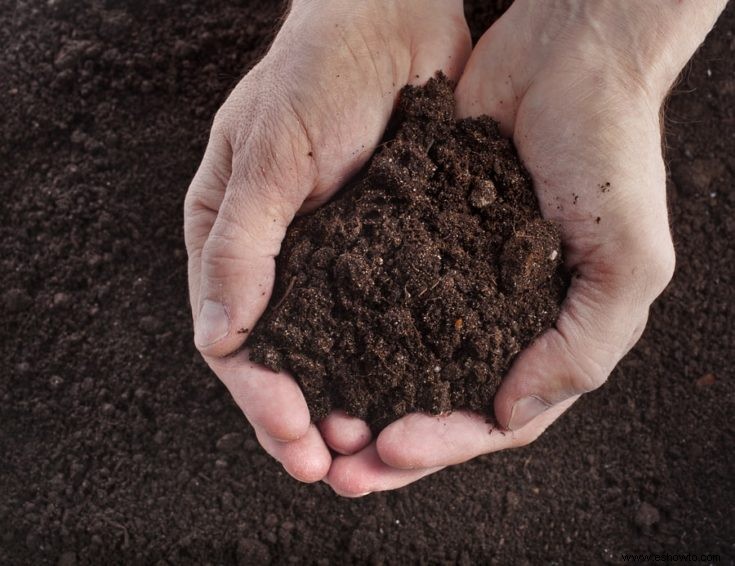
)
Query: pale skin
[{"x": 577, "y": 84}]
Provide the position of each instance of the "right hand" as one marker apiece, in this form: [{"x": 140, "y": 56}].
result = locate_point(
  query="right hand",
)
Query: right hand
[
  {"x": 578, "y": 85},
  {"x": 293, "y": 131}
]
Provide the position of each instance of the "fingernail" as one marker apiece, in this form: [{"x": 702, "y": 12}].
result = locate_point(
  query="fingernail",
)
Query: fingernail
[
  {"x": 525, "y": 410},
  {"x": 212, "y": 324}
]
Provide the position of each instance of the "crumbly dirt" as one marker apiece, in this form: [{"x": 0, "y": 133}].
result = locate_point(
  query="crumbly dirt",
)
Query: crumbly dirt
[
  {"x": 415, "y": 289},
  {"x": 119, "y": 446}
]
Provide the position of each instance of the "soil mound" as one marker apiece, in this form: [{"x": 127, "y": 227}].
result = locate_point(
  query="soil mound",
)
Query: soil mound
[{"x": 417, "y": 286}]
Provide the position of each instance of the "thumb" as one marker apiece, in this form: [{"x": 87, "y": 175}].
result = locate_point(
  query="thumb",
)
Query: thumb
[
  {"x": 601, "y": 319},
  {"x": 237, "y": 264},
  {"x": 237, "y": 273},
  {"x": 492, "y": 83}
]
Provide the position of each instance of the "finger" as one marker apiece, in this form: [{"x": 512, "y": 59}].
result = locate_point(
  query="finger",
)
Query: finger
[
  {"x": 601, "y": 317},
  {"x": 306, "y": 459},
  {"x": 345, "y": 434},
  {"x": 476, "y": 95},
  {"x": 273, "y": 402},
  {"x": 447, "y": 45},
  {"x": 365, "y": 472},
  {"x": 266, "y": 188},
  {"x": 420, "y": 441},
  {"x": 237, "y": 272}
]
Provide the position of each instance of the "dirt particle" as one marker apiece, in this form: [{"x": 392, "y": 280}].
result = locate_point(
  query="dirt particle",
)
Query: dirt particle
[
  {"x": 483, "y": 193},
  {"x": 646, "y": 516},
  {"x": 71, "y": 53},
  {"x": 61, "y": 299},
  {"x": 271, "y": 520},
  {"x": 706, "y": 380},
  {"x": 150, "y": 324},
  {"x": 230, "y": 442}
]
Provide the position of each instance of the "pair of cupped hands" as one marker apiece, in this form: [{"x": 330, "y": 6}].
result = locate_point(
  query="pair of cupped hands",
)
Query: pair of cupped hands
[{"x": 582, "y": 112}]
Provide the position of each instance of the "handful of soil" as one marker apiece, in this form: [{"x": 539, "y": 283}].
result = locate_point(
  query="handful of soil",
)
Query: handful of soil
[{"x": 414, "y": 289}]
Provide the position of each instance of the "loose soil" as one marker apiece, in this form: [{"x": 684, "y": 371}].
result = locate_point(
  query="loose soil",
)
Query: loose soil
[
  {"x": 416, "y": 287},
  {"x": 118, "y": 445}
]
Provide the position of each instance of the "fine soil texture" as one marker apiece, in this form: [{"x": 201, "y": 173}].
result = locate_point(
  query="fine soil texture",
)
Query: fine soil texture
[
  {"x": 119, "y": 446},
  {"x": 415, "y": 289}
]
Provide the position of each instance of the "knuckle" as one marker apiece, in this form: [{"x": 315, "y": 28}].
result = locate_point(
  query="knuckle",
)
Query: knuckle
[
  {"x": 273, "y": 151},
  {"x": 236, "y": 115},
  {"x": 585, "y": 382},
  {"x": 223, "y": 244},
  {"x": 256, "y": 100},
  {"x": 655, "y": 261},
  {"x": 587, "y": 373},
  {"x": 585, "y": 369},
  {"x": 192, "y": 204},
  {"x": 266, "y": 126},
  {"x": 663, "y": 265}
]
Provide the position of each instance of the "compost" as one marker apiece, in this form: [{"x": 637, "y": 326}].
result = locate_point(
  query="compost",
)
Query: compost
[{"x": 415, "y": 289}]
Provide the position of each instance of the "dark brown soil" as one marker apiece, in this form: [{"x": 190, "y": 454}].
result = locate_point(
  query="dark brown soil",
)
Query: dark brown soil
[
  {"x": 415, "y": 289},
  {"x": 118, "y": 445}
]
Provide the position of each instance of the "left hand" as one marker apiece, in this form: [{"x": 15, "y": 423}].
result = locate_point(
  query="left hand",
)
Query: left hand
[
  {"x": 581, "y": 115},
  {"x": 302, "y": 122}
]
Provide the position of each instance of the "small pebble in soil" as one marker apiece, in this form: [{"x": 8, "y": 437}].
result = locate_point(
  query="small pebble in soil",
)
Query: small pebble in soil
[
  {"x": 646, "y": 516},
  {"x": 706, "y": 379},
  {"x": 150, "y": 324},
  {"x": 230, "y": 442},
  {"x": 61, "y": 299}
]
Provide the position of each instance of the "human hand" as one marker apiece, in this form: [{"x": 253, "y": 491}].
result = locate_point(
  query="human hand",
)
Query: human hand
[
  {"x": 293, "y": 131},
  {"x": 580, "y": 92}
]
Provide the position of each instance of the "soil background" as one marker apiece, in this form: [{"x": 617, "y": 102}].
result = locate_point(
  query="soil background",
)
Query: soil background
[{"x": 117, "y": 445}]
